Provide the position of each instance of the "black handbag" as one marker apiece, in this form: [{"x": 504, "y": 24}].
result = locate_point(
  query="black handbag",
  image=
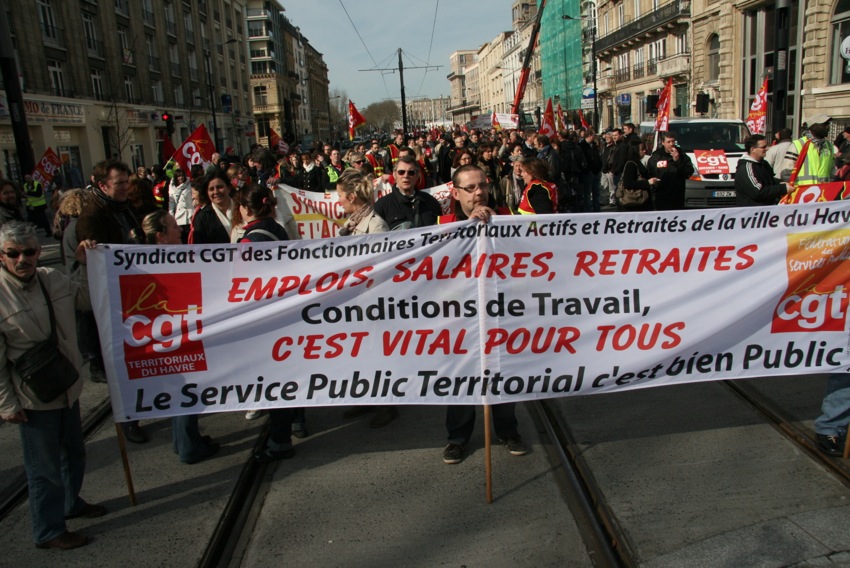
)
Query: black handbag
[
  {"x": 631, "y": 198},
  {"x": 45, "y": 371}
]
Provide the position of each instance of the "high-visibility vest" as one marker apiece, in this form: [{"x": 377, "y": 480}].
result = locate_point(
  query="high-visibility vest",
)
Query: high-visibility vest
[
  {"x": 34, "y": 194},
  {"x": 525, "y": 207},
  {"x": 333, "y": 173},
  {"x": 816, "y": 167},
  {"x": 377, "y": 164},
  {"x": 394, "y": 151}
]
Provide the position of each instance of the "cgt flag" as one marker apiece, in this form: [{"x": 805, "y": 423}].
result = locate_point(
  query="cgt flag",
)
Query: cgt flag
[
  {"x": 547, "y": 125},
  {"x": 276, "y": 143},
  {"x": 758, "y": 111},
  {"x": 662, "y": 121},
  {"x": 584, "y": 123},
  {"x": 355, "y": 119},
  {"x": 47, "y": 167},
  {"x": 197, "y": 149}
]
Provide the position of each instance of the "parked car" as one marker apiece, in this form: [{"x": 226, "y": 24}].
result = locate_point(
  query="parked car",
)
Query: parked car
[{"x": 719, "y": 143}]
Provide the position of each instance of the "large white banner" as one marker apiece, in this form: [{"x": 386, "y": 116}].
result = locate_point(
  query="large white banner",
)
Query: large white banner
[{"x": 520, "y": 308}]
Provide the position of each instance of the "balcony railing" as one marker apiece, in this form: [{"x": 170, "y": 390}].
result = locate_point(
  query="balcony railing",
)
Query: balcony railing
[
  {"x": 63, "y": 92},
  {"x": 52, "y": 35},
  {"x": 679, "y": 64},
  {"x": 663, "y": 15},
  {"x": 258, "y": 13},
  {"x": 94, "y": 47},
  {"x": 622, "y": 75},
  {"x": 638, "y": 70},
  {"x": 606, "y": 83},
  {"x": 651, "y": 66}
]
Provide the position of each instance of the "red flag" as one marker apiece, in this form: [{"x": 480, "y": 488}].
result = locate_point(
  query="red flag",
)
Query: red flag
[
  {"x": 276, "y": 143},
  {"x": 584, "y": 123},
  {"x": 662, "y": 121},
  {"x": 547, "y": 125},
  {"x": 494, "y": 122},
  {"x": 47, "y": 167},
  {"x": 168, "y": 149},
  {"x": 758, "y": 111},
  {"x": 561, "y": 124},
  {"x": 355, "y": 119},
  {"x": 198, "y": 148}
]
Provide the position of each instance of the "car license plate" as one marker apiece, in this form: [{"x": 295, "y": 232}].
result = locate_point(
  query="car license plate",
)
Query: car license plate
[{"x": 723, "y": 194}]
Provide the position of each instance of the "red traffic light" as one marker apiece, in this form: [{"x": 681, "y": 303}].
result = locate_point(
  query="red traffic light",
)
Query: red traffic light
[{"x": 165, "y": 116}]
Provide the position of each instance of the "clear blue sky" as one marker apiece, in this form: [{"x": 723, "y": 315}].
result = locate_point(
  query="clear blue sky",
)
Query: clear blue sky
[{"x": 385, "y": 26}]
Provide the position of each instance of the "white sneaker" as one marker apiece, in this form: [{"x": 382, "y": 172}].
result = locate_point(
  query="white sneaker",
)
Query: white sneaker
[{"x": 253, "y": 414}]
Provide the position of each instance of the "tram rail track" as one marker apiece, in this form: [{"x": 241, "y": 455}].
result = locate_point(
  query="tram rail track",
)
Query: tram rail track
[
  {"x": 15, "y": 493},
  {"x": 800, "y": 436},
  {"x": 606, "y": 543}
]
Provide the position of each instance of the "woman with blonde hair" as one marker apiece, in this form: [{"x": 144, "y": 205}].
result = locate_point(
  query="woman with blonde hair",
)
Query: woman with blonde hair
[{"x": 354, "y": 190}]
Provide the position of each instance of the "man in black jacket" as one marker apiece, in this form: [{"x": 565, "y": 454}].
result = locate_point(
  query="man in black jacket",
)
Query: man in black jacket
[
  {"x": 755, "y": 182},
  {"x": 673, "y": 167}
]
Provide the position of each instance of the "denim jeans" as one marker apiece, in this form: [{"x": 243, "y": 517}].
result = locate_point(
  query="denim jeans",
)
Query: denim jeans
[
  {"x": 186, "y": 437},
  {"x": 835, "y": 407},
  {"x": 460, "y": 421},
  {"x": 55, "y": 462}
]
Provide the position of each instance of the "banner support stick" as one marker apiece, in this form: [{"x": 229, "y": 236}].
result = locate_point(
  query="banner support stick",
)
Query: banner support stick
[
  {"x": 488, "y": 470},
  {"x": 128, "y": 475}
]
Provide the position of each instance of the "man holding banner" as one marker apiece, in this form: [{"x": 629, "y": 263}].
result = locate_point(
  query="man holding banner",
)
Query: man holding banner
[
  {"x": 755, "y": 183},
  {"x": 471, "y": 193}
]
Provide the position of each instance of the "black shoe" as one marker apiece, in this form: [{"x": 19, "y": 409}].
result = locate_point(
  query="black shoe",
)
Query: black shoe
[
  {"x": 384, "y": 416},
  {"x": 267, "y": 455},
  {"x": 90, "y": 511},
  {"x": 453, "y": 453},
  {"x": 831, "y": 445},
  {"x": 210, "y": 450},
  {"x": 516, "y": 446},
  {"x": 97, "y": 374},
  {"x": 66, "y": 541},
  {"x": 134, "y": 433}
]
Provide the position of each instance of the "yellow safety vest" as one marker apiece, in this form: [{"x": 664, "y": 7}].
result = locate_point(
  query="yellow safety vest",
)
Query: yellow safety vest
[{"x": 816, "y": 166}]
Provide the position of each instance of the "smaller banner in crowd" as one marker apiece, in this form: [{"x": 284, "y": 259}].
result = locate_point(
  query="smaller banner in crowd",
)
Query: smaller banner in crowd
[
  {"x": 758, "y": 111},
  {"x": 831, "y": 191},
  {"x": 711, "y": 162},
  {"x": 47, "y": 167},
  {"x": 197, "y": 149},
  {"x": 320, "y": 216}
]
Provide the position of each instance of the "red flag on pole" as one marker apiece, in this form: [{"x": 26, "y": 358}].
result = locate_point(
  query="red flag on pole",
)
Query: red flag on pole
[
  {"x": 494, "y": 122},
  {"x": 47, "y": 167},
  {"x": 584, "y": 123},
  {"x": 560, "y": 122},
  {"x": 758, "y": 111},
  {"x": 355, "y": 119},
  {"x": 276, "y": 143},
  {"x": 198, "y": 148},
  {"x": 547, "y": 125},
  {"x": 662, "y": 121}
]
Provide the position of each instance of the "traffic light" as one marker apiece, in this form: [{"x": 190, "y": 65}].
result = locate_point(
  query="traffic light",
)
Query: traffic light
[{"x": 168, "y": 119}]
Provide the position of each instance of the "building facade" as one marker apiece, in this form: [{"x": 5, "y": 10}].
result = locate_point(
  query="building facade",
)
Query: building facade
[{"x": 97, "y": 82}]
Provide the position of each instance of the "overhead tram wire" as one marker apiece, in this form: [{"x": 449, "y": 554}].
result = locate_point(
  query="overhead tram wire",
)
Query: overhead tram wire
[
  {"x": 430, "y": 45},
  {"x": 344, "y": 9}
]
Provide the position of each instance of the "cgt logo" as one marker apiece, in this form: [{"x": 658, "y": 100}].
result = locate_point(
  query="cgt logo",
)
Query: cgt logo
[
  {"x": 818, "y": 290},
  {"x": 711, "y": 162},
  {"x": 162, "y": 324}
]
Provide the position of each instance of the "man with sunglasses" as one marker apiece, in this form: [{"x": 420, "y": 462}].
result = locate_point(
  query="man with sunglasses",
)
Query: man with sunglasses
[
  {"x": 51, "y": 432},
  {"x": 404, "y": 207},
  {"x": 471, "y": 194}
]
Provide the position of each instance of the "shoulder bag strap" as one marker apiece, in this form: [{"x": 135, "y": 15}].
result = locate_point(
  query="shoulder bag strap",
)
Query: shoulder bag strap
[{"x": 49, "y": 310}]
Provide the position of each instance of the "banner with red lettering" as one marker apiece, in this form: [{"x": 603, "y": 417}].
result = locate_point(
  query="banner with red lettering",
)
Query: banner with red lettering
[
  {"x": 320, "y": 216},
  {"x": 47, "y": 167},
  {"x": 198, "y": 148},
  {"x": 758, "y": 111},
  {"x": 520, "y": 308},
  {"x": 662, "y": 120}
]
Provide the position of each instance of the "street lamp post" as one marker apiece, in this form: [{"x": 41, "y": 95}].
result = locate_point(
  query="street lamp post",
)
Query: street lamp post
[
  {"x": 592, "y": 67},
  {"x": 208, "y": 53}
]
